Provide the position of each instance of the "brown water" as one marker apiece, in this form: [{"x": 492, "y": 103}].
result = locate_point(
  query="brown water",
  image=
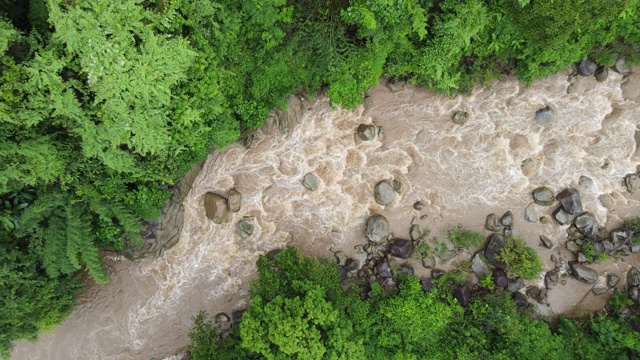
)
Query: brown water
[{"x": 461, "y": 173}]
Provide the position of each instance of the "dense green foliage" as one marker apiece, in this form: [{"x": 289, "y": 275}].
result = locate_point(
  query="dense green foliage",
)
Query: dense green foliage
[
  {"x": 520, "y": 260},
  {"x": 463, "y": 238},
  {"x": 104, "y": 105},
  {"x": 300, "y": 311}
]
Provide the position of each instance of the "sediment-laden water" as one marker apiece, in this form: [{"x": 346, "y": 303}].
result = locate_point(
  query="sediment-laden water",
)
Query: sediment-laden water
[{"x": 460, "y": 172}]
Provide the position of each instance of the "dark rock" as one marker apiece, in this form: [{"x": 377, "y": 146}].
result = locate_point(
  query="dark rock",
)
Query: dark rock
[
  {"x": 621, "y": 236},
  {"x": 583, "y": 273},
  {"x": 237, "y": 316},
  {"x": 401, "y": 248},
  {"x": 520, "y": 300},
  {"x": 427, "y": 284},
  {"x": 235, "y": 200},
  {"x": 500, "y": 278},
  {"x": 244, "y": 228},
  {"x": 310, "y": 181},
  {"x": 561, "y": 216},
  {"x": 515, "y": 285},
  {"x": 389, "y": 284},
  {"x": 507, "y": 220},
  {"x": 405, "y": 269},
  {"x": 351, "y": 265},
  {"x": 221, "y": 319},
  {"x": 384, "y": 193},
  {"x": 341, "y": 258},
  {"x": 428, "y": 262},
  {"x": 377, "y": 229},
  {"x": 418, "y": 205},
  {"x": 546, "y": 242},
  {"x": 478, "y": 266},
  {"x": 495, "y": 244},
  {"x": 397, "y": 186},
  {"x": 570, "y": 200},
  {"x": 366, "y": 132},
  {"x": 530, "y": 213},
  {"x": 216, "y": 207},
  {"x": 461, "y": 117},
  {"x": 365, "y": 289},
  {"x": 543, "y": 196},
  {"x": 415, "y": 233},
  {"x": 631, "y": 182},
  {"x": 544, "y": 115},
  {"x": 462, "y": 294},
  {"x": 471, "y": 279},
  {"x": 537, "y": 294},
  {"x": 613, "y": 280},
  {"x": 437, "y": 273},
  {"x": 602, "y": 74},
  {"x": 586, "y": 224},
  {"x": 608, "y": 245},
  {"x": 491, "y": 223},
  {"x": 587, "y": 67},
  {"x": 551, "y": 279},
  {"x": 633, "y": 277},
  {"x": 384, "y": 269},
  {"x": 598, "y": 247}
]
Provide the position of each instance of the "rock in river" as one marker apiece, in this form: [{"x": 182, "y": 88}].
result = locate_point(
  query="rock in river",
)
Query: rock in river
[
  {"x": 216, "y": 207},
  {"x": 546, "y": 242},
  {"x": 244, "y": 228},
  {"x": 461, "y": 117},
  {"x": 310, "y": 181},
  {"x": 491, "y": 223},
  {"x": 235, "y": 200},
  {"x": 384, "y": 193},
  {"x": 561, "y": 216},
  {"x": 586, "y": 224},
  {"x": 633, "y": 277},
  {"x": 478, "y": 266},
  {"x": 507, "y": 220},
  {"x": 401, "y": 248},
  {"x": 377, "y": 228},
  {"x": 462, "y": 294},
  {"x": 583, "y": 273},
  {"x": 631, "y": 182},
  {"x": 587, "y": 67},
  {"x": 570, "y": 200},
  {"x": 544, "y": 115},
  {"x": 543, "y": 196},
  {"x": 496, "y": 243},
  {"x": 366, "y": 132}
]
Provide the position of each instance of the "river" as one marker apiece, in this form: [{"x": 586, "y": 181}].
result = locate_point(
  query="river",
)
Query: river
[{"x": 460, "y": 172}]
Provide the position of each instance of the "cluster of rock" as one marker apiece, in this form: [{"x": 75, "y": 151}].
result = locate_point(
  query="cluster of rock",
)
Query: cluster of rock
[
  {"x": 218, "y": 209},
  {"x": 589, "y": 67}
]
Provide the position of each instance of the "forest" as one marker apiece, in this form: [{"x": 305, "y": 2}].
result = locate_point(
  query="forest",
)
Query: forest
[{"x": 105, "y": 104}]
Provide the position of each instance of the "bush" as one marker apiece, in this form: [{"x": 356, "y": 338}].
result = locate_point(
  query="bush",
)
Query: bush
[
  {"x": 520, "y": 260},
  {"x": 465, "y": 238}
]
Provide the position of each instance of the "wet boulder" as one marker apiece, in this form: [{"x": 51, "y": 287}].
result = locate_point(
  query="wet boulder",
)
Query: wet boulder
[
  {"x": 621, "y": 65},
  {"x": 235, "y": 200},
  {"x": 546, "y": 242},
  {"x": 570, "y": 200},
  {"x": 418, "y": 205},
  {"x": 427, "y": 284},
  {"x": 415, "y": 232},
  {"x": 460, "y": 117},
  {"x": 310, "y": 181},
  {"x": 544, "y": 116},
  {"x": 633, "y": 277},
  {"x": 583, "y": 273},
  {"x": 495, "y": 244},
  {"x": 341, "y": 258},
  {"x": 366, "y": 132},
  {"x": 587, "y": 67},
  {"x": 613, "y": 280},
  {"x": 515, "y": 285},
  {"x": 602, "y": 74},
  {"x": 561, "y": 216},
  {"x": 500, "y": 278},
  {"x": 543, "y": 196},
  {"x": 384, "y": 269},
  {"x": 244, "y": 228},
  {"x": 586, "y": 224},
  {"x": 462, "y": 294},
  {"x": 221, "y": 319},
  {"x": 507, "y": 220},
  {"x": 479, "y": 266},
  {"x": 377, "y": 229},
  {"x": 384, "y": 193},
  {"x": 216, "y": 208},
  {"x": 520, "y": 300},
  {"x": 401, "y": 248},
  {"x": 491, "y": 223},
  {"x": 551, "y": 279},
  {"x": 538, "y": 294},
  {"x": 405, "y": 269},
  {"x": 530, "y": 213},
  {"x": 631, "y": 182}
]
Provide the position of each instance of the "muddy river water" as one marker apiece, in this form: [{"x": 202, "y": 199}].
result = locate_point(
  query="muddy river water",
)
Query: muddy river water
[{"x": 460, "y": 172}]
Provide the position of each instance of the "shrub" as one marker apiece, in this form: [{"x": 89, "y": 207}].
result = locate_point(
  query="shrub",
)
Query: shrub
[
  {"x": 520, "y": 260},
  {"x": 465, "y": 238}
]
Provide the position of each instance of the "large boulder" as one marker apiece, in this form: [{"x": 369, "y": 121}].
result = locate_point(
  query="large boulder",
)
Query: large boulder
[
  {"x": 544, "y": 115},
  {"x": 462, "y": 294},
  {"x": 491, "y": 223},
  {"x": 602, "y": 74},
  {"x": 633, "y": 277},
  {"x": 383, "y": 268},
  {"x": 520, "y": 300},
  {"x": 310, "y": 181},
  {"x": 377, "y": 228},
  {"x": 384, "y": 193},
  {"x": 507, "y": 220},
  {"x": 587, "y": 67},
  {"x": 583, "y": 273},
  {"x": 551, "y": 279},
  {"x": 631, "y": 182},
  {"x": 586, "y": 224},
  {"x": 235, "y": 200},
  {"x": 495, "y": 244},
  {"x": 500, "y": 278},
  {"x": 216, "y": 207},
  {"x": 401, "y": 248},
  {"x": 543, "y": 196},
  {"x": 570, "y": 200},
  {"x": 546, "y": 242},
  {"x": 366, "y": 132},
  {"x": 244, "y": 228},
  {"x": 530, "y": 213},
  {"x": 515, "y": 285},
  {"x": 561, "y": 216},
  {"x": 460, "y": 117},
  {"x": 479, "y": 266}
]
